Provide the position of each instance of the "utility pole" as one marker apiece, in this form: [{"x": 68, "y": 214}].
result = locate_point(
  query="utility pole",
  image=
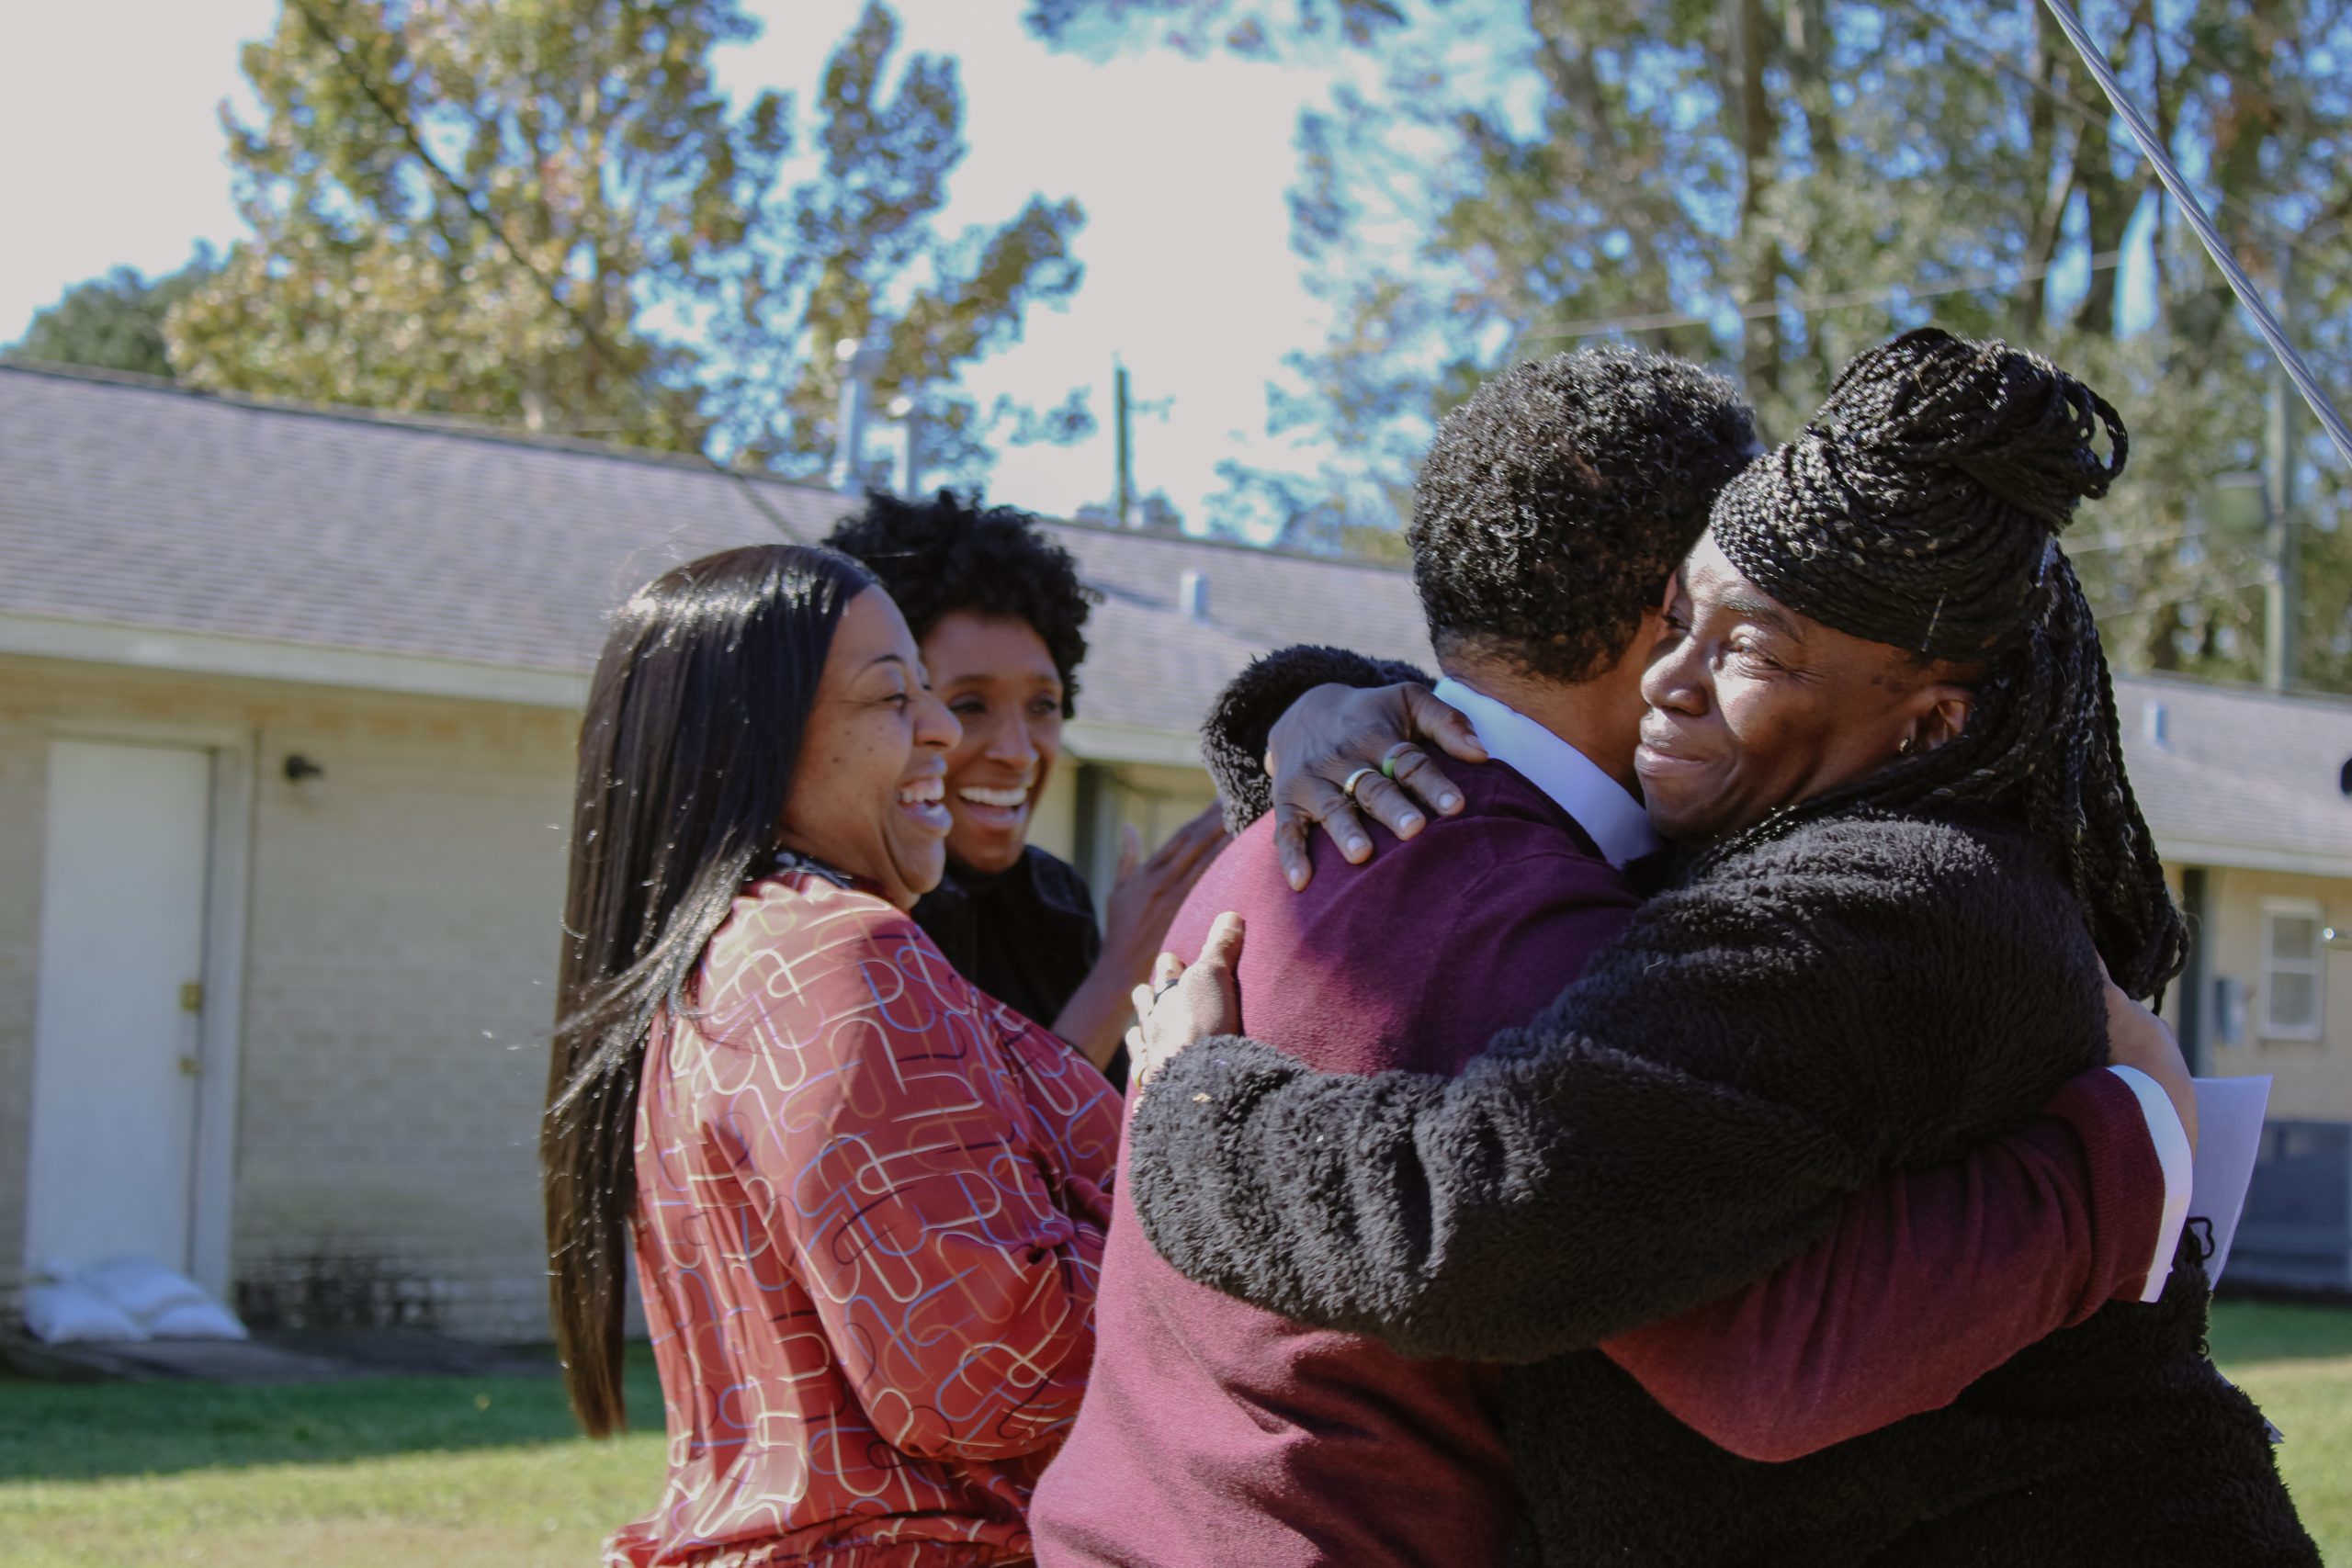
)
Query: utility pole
[
  {"x": 861, "y": 361},
  {"x": 2282, "y": 538},
  {"x": 1122, "y": 493},
  {"x": 909, "y": 413}
]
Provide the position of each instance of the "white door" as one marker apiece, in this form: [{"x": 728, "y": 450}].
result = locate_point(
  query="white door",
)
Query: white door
[{"x": 117, "y": 1035}]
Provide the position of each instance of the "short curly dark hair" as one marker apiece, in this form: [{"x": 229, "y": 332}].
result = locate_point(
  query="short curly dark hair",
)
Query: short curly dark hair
[
  {"x": 945, "y": 554},
  {"x": 1556, "y": 501}
]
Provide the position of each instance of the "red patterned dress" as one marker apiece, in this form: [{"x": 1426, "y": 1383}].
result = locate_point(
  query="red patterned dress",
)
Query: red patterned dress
[{"x": 870, "y": 1214}]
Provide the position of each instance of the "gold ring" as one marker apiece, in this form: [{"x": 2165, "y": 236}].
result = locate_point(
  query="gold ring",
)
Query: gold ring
[
  {"x": 1389, "y": 763},
  {"x": 1349, "y": 788}
]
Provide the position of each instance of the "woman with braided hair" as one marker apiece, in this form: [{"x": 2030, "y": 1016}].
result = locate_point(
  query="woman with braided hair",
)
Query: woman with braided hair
[
  {"x": 1882, "y": 734},
  {"x": 1925, "y": 500}
]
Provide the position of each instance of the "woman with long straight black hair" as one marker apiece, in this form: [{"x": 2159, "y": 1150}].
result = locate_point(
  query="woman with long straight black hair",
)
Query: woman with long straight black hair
[{"x": 866, "y": 1201}]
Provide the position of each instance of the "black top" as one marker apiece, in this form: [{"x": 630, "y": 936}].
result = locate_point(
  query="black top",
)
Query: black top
[
  {"x": 1026, "y": 936},
  {"x": 1870, "y": 992}
]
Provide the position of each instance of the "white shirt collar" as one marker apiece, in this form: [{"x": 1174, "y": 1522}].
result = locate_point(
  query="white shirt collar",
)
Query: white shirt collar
[{"x": 1601, "y": 806}]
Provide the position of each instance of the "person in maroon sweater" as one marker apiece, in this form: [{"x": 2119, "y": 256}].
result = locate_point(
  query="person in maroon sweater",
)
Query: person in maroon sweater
[{"x": 1213, "y": 1433}]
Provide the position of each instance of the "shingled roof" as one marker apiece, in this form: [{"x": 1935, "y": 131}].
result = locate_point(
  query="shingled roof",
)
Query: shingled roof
[
  {"x": 134, "y": 503},
  {"x": 2240, "y": 776},
  {"x": 246, "y": 536}
]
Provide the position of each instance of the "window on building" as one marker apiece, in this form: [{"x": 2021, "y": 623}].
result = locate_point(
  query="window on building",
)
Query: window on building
[{"x": 2294, "y": 988}]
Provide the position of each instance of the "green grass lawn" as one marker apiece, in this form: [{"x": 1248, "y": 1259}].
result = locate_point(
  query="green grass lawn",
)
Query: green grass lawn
[
  {"x": 461, "y": 1472},
  {"x": 2297, "y": 1363},
  {"x": 458, "y": 1472}
]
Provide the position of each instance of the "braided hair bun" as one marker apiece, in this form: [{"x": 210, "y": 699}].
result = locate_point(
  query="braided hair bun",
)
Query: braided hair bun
[{"x": 1920, "y": 508}]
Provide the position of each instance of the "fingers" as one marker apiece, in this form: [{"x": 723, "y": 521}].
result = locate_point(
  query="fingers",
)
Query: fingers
[
  {"x": 1223, "y": 946},
  {"x": 1321, "y": 801},
  {"x": 1146, "y": 900},
  {"x": 1209, "y": 989},
  {"x": 1346, "y": 830},
  {"x": 1386, "y": 804},
  {"x": 1130, "y": 850},
  {"x": 1206, "y": 833},
  {"x": 1421, "y": 778},
  {"x": 1205, "y": 838},
  {"x": 1220, "y": 954},
  {"x": 1192, "y": 845},
  {"x": 1181, "y": 879},
  {"x": 1290, "y": 846},
  {"x": 1445, "y": 726},
  {"x": 1182, "y": 1004}
]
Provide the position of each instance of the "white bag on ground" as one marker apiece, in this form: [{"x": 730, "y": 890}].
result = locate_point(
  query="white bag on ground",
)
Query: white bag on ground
[
  {"x": 123, "y": 1300},
  {"x": 76, "y": 1314},
  {"x": 195, "y": 1320},
  {"x": 141, "y": 1289}
]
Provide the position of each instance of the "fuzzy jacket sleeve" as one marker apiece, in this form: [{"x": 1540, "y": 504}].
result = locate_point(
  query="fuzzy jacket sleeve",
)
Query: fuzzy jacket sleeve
[
  {"x": 1868, "y": 994},
  {"x": 1233, "y": 741}
]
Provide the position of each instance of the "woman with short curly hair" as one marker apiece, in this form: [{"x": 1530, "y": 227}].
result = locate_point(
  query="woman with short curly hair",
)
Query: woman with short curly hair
[{"x": 1000, "y": 613}]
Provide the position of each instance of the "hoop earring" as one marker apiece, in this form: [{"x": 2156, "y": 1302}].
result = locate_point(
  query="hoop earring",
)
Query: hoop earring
[{"x": 1908, "y": 745}]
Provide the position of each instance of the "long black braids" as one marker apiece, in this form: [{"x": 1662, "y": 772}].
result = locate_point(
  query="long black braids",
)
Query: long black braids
[{"x": 1920, "y": 508}]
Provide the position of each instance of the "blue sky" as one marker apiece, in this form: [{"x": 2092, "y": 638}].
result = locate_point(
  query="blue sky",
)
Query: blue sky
[{"x": 108, "y": 108}]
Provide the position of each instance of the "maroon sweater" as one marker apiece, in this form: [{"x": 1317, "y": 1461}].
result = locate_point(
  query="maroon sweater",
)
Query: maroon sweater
[{"x": 1215, "y": 1434}]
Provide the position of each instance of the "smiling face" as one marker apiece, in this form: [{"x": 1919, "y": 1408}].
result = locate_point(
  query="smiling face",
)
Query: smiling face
[
  {"x": 868, "y": 794},
  {"x": 996, "y": 676},
  {"x": 1753, "y": 707}
]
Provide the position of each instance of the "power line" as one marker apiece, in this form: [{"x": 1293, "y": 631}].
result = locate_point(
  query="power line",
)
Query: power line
[
  {"x": 474, "y": 207},
  {"x": 1802, "y": 306},
  {"x": 2154, "y": 150},
  {"x": 2094, "y": 115}
]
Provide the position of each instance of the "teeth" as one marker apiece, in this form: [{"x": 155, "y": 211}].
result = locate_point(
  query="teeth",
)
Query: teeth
[
  {"x": 1006, "y": 798},
  {"x": 927, "y": 793}
]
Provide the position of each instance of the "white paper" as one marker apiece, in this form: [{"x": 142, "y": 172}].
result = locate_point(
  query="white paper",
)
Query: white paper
[{"x": 2229, "y": 1133}]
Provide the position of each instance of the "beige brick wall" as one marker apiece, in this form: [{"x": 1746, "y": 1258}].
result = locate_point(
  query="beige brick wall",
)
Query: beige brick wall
[
  {"x": 402, "y": 926},
  {"x": 2314, "y": 1078},
  {"x": 402, "y": 923},
  {"x": 24, "y": 792}
]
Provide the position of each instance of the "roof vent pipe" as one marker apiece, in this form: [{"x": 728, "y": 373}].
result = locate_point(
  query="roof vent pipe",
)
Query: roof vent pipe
[
  {"x": 860, "y": 361},
  {"x": 1193, "y": 596},
  {"x": 2159, "y": 724},
  {"x": 911, "y": 458}
]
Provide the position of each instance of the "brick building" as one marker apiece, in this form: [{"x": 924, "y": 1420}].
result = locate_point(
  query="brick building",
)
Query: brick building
[{"x": 288, "y": 698}]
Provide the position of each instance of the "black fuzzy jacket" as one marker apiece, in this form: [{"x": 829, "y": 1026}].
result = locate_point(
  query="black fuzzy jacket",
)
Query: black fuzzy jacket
[{"x": 1773, "y": 1032}]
